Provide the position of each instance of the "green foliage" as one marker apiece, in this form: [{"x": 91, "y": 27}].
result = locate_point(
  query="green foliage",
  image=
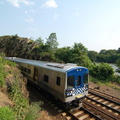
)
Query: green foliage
[
  {"x": 2, "y": 73},
  {"x": 20, "y": 102},
  {"x": 76, "y": 54},
  {"x": 21, "y": 107},
  {"x": 6, "y": 113},
  {"x": 39, "y": 41},
  {"x": 118, "y": 62},
  {"x": 109, "y": 56},
  {"x": 33, "y": 111},
  {"x": 114, "y": 78},
  {"x": 92, "y": 55},
  {"x": 118, "y": 65},
  {"x": 101, "y": 71},
  {"x": 52, "y": 42}
]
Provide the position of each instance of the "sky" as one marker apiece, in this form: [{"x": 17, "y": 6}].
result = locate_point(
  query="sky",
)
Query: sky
[{"x": 94, "y": 23}]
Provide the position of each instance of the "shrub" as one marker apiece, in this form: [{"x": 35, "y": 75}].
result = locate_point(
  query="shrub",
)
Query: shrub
[{"x": 101, "y": 71}]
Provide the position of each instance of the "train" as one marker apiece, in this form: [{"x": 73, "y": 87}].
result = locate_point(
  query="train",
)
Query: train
[{"x": 66, "y": 82}]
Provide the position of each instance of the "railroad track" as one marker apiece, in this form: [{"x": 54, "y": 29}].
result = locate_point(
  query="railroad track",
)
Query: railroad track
[
  {"x": 83, "y": 114},
  {"x": 106, "y": 106}
]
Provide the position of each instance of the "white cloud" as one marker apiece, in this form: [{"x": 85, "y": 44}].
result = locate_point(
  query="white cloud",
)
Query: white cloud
[
  {"x": 16, "y": 3},
  {"x": 50, "y": 4},
  {"x": 29, "y": 19}
]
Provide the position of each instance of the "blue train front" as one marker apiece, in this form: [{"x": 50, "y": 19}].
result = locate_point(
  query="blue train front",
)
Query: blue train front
[{"x": 77, "y": 85}]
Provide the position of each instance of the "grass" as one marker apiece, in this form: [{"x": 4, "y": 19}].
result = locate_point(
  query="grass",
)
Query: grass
[
  {"x": 6, "y": 113},
  {"x": 111, "y": 82}
]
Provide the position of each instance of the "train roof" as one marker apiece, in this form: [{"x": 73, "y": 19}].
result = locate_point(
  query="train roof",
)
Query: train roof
[{"x": 49, "y": 65}]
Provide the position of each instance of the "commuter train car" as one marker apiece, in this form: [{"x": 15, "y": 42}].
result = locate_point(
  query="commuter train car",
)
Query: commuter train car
[{"x": 66, "y": 82}]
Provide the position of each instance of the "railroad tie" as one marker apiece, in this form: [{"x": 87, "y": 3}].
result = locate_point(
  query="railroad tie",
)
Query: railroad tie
[
  {"x": 78, "y": 113},
  {"x": 92, "y": 119},
  {"x": 83, "y": 117}
]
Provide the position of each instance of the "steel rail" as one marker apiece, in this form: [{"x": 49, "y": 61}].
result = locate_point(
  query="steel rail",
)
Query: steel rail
[
  {"x": 113, "y": 97},
  {"x": 118, "y": 111},
  {"x": 108, "y": 115},
  {"x": 92, "y": 92}
]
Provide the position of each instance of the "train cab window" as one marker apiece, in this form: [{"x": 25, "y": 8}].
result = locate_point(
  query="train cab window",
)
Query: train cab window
[
  {"x": 46, "y": 78},
  {"x": 78, "y": 80},
  {"x": 85, "y": 78},
  {"x": 70, "y": 82},
  {"x": 29, "y": 71},
  {"x": 58, "y": 81}
]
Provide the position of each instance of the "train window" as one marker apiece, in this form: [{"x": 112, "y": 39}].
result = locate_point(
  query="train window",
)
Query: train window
[
  {"x": 46, "y": 78},
  {"x": 29, "y": 71},
  {"x": 85, "y": 78},
  {"x": 58, "y": 81},
  {"x": 70, "y": 82},
  {"x": 78, "y": 80}
]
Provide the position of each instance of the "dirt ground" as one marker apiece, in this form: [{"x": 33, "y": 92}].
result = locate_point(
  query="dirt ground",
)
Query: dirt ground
[
  {"x": 4, "y": 100},
  {"x": 106, "y": 89}
]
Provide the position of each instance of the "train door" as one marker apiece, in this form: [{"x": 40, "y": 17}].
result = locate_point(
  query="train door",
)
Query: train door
[{"x": 35, "y": 74}]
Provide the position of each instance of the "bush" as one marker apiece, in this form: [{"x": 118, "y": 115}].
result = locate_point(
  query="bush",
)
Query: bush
[
  {"x": 6, "y": 113},
  {"x": 101, "y": 71}
]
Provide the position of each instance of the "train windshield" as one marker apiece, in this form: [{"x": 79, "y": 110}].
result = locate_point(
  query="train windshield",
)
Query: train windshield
[
  {"x": 70, "y": 82},
  {"x": 85, "y": 78}
]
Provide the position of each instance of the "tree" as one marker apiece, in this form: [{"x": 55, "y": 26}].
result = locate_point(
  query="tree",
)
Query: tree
[
  {"x": 118, "y": 65},
  {"x": 39, "y": 41},
  {"x": 76, "y": 54},
  {"x": 52, "y": 42},
  {"x": 118, "y": 51},
  {"x": 62, "y": 54},
  {"x": 92, "y": 55}
]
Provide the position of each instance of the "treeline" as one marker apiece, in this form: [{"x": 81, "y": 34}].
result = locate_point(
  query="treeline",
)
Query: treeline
[{"x": 107, "y": 56}]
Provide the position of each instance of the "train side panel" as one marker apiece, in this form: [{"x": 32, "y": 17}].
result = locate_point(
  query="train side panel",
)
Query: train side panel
[
  {"x": 49, "y": 80},
  {"x": 53, "y": 82}
]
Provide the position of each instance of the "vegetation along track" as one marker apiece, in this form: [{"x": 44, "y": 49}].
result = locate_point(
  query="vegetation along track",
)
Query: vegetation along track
[{"x": 104, "y": 105}]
